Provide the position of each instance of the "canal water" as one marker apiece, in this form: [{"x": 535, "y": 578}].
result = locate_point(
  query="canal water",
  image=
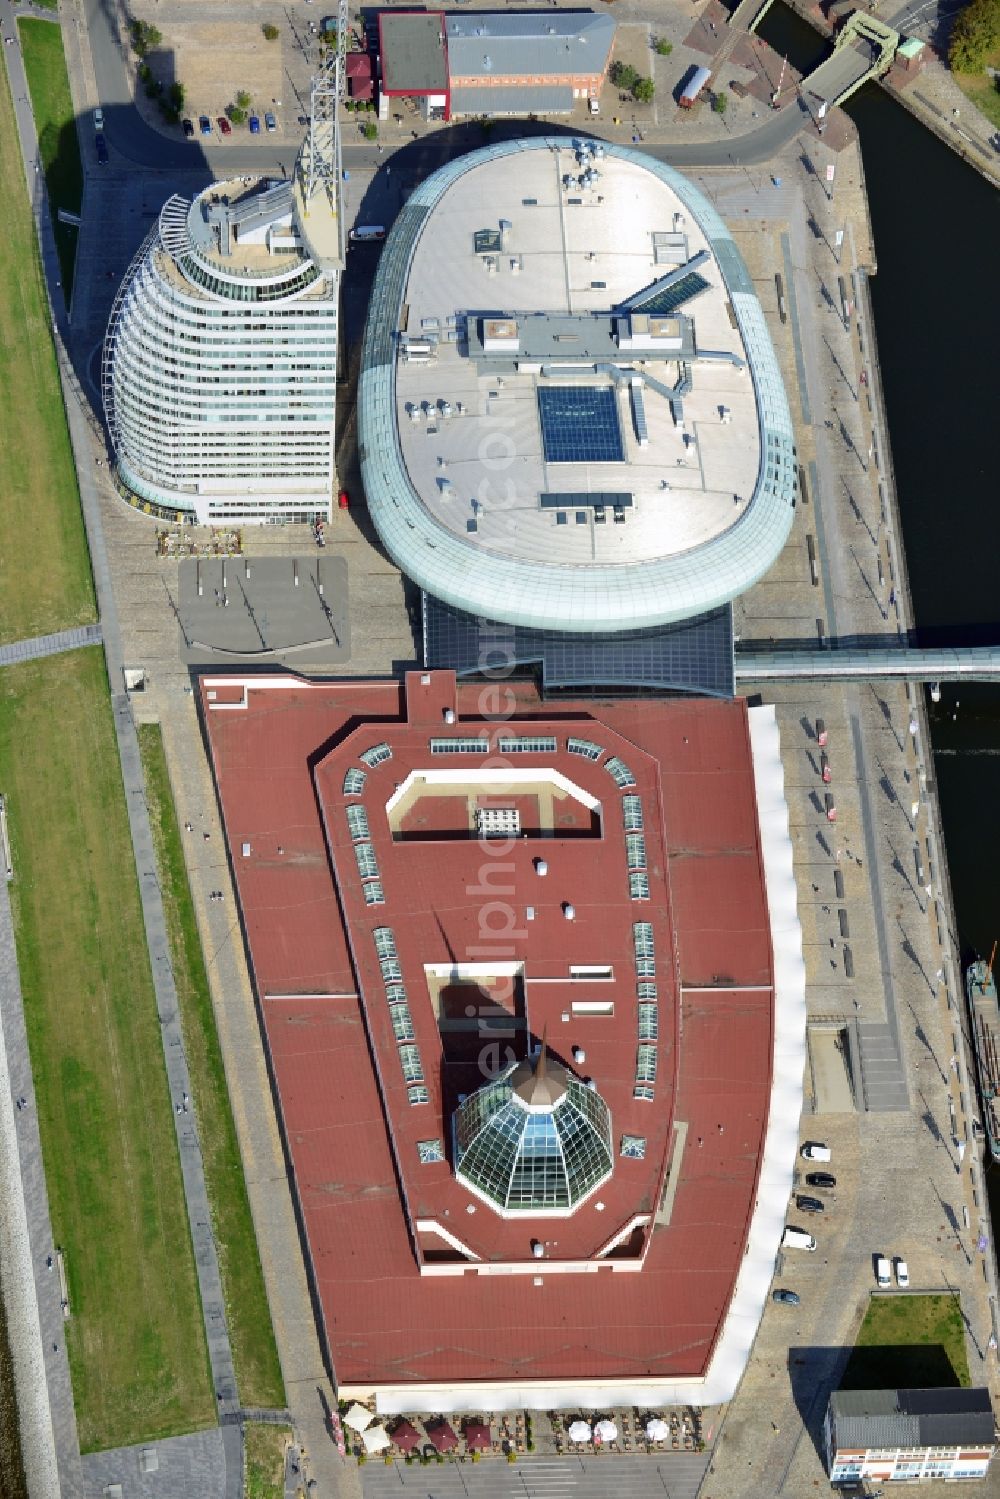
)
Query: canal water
[{"x": 937, "y": 319}]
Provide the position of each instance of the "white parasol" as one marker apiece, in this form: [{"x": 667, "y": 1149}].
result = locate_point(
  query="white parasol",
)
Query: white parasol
[
  {"x": 358, "y": 1418},
  {"x": 606, "y": 1430},
  {"x": 579, "y": 1432},
  {"x": 375, "y": 1438},
  {"x": 657, "y": 1430}
]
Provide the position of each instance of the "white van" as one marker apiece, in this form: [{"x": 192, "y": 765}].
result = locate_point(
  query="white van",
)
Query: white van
[
  {"x": 882, "y": 1275},
  {"x": 366, "y": 234},
  {"x": 797, "y": 1238},
  {"x": 815, "y": 1150}
]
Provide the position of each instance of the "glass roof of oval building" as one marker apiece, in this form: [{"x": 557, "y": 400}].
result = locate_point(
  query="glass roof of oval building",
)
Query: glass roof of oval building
[{"x": 570, "y": 412}]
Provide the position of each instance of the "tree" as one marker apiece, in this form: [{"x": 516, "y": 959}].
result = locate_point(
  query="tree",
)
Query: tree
[
  {"x": 975, "y": 33},
  {"x": 176, "y": 96},
  {"x": 270, "y": 31},
  {"x": 369, "y": 130},
  {"x": 720, "y": 103},
  {"x": 237, "y": 114},
  {"x": 663, "y": 47},
  {"x": 623, "y": 75},
  {"x": 643, "y": 90}
]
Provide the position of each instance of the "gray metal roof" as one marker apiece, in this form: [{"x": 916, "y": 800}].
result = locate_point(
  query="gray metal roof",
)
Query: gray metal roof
[
  {"x": 546, "y": 594},
  {"x": 413, "y": 52},
  {"x": 485, "y": 43},
  {"x": 912, "y": 1418},
  {"x": 545, "y": 99}
]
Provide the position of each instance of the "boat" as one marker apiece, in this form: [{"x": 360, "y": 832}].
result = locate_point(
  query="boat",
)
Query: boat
[{"x": 984, "y": 1017}]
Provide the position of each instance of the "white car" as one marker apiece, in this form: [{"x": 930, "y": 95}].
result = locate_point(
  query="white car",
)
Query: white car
[
  {"x": 593, "y": 106},
  {"x": 98, "y": 119},
  {"x": 815, "y": 1150},
  {"x": 902, "y": 1272},
  {"x": 883, "y": 1275}
]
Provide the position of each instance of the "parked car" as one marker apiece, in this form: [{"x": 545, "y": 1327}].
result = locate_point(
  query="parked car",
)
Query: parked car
[
  {"x": 102, "y": 149},
  {"x": 593, "y": 106},
  {"x": 815, "y": 1150},
  {"x": 882, "y": 1275},
  {"x": 254, "y": 125},
  {"x": 902, "y": 1272},
  {"x": 821, "y": 1179},
  {"x": 98, "y": 118},
  {"x": 224, "y": 126},
  {"x": 810, "y": 1204},
  {"x": 188, "y": 128},
  {"x": 787, "y": 1298},
  {"x": 204, "y": 125},
  {"x": 270, "y": 121},
  {"x": 797, "y": 1238}
]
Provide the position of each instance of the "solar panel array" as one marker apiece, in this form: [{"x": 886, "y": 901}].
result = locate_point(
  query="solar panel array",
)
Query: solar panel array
[
  {"x": 669, "y": 298},
  {"x": 580, "y": 424}
]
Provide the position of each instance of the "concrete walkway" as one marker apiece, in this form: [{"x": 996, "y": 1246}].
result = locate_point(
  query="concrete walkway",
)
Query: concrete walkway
[
  {"x": 31, "y": 1291},
  {"x": 49, "y": 645}
]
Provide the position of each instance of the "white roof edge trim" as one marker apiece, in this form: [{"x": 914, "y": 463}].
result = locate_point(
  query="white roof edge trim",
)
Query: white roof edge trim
[
  {"x": 543, "y": 595},
  {"x": 788, "y": 1064}
]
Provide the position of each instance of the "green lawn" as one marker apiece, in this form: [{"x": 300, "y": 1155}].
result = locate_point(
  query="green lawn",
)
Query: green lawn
[
  {"x": 55, "y": 122},
  {"x": 911, "y": 1342},
  {"x": 264, "y": 1473},
  {"x": 45, "y": 582},
  {"x": 982, "y": 90},
  {"x": 136, "y": 1338},
  {"x": 257, "y": 1369}
]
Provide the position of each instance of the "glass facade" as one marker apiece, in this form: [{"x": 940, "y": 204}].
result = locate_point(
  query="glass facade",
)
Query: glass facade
[
  {"x": 220, "y": 386},
  {"x": 528, "y": 1159}
]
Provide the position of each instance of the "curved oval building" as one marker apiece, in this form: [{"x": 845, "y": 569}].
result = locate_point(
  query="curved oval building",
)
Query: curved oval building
[
  {"x": 220, "y": 361},
  {"x": 571, "y": 417}
]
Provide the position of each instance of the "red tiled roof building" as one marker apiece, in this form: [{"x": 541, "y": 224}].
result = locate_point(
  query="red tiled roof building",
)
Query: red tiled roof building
[{"x": 530, "y": 978}]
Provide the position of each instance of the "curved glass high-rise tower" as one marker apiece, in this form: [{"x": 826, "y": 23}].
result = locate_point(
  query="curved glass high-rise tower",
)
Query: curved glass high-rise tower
[{"x": 220, "y": 361}]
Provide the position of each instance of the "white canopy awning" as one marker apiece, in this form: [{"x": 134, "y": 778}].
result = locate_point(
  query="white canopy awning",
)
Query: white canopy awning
[{"x": 358, "y": 1419}]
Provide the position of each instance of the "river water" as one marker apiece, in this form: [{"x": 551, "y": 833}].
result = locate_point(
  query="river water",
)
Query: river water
[{"x": 937, "y": 320}]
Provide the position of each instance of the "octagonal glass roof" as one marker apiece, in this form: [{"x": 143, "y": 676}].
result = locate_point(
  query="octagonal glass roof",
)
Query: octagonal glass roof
[{"x": 534, "y": 1141}]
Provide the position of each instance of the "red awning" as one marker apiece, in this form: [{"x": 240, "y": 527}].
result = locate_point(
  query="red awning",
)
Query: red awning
[
  {"x": 442, "y": 1436},
  {"x": 406, "y": 1436}
]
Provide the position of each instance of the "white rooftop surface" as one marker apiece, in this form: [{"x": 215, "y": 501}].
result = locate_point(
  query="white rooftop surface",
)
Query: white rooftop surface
[{"x": 493, "y": 453}]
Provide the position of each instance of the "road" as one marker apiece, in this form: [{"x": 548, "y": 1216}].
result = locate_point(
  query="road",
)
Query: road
[{"x": 138, "y": 144}]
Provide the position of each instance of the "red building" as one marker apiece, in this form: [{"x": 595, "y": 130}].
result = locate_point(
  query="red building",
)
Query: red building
[{"x": 429, "y": 894}]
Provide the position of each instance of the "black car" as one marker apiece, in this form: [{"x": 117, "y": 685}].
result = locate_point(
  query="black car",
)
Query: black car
[
  {"x": 188, "y": 128},
  {"x": 788, "y": 1298},
  {"x": 102, "y": 149},
  {"x": 821, "y": 1179},
  {"x": 809, "y": 1205}
]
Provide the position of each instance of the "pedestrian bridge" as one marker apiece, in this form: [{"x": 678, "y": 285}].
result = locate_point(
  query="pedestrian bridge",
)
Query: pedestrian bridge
[{"x": 862, "y": 663}]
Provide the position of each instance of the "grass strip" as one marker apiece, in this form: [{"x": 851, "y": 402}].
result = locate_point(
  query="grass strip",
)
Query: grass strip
[
  {"x": 136, "y": 1338},
  {"x": 910, "y": 1342},
  {"x": 55, "y": 123},
  {"x": 264, "y": 1460},
  {"x": 981, "y": 88},
  {"x": 258, "y": 1371},
  {"x": 45, "y": 579}
]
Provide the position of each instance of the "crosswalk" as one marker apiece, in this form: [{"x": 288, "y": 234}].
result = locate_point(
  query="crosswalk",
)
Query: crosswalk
[{"x": 625, "y": 1475}]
